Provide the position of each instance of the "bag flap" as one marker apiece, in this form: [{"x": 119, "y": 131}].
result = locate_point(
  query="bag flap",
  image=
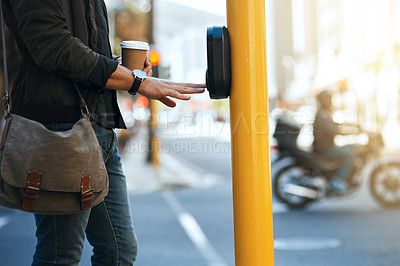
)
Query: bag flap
[{"x": 62, "y": 158}]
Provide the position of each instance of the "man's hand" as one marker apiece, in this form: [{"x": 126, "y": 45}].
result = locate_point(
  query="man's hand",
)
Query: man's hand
[
  {"x": 153, "y": 88},
  {"x": 161, "y": 89}
]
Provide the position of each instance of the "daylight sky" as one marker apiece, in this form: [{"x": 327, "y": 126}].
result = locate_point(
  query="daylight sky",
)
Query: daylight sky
[{"x": 217, "y": 7}]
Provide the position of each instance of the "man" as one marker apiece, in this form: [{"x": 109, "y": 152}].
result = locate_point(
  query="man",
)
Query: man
[
  {"x": 63, "y": 42},
  {"x": 325, "y": 130}
]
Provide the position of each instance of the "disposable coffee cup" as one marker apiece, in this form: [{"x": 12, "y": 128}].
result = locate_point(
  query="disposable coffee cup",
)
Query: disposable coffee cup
[{"x": 134, "y": 54}]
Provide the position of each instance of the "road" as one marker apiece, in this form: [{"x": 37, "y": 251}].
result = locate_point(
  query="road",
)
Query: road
[
  {"x": 347, "y": 231},
  {"x": 191, "y": 227}
]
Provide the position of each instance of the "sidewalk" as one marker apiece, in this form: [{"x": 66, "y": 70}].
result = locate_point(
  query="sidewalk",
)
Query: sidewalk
[{"x": 173, "y": 173}]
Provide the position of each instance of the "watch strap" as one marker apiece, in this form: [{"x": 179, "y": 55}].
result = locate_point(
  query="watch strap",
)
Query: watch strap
[{"x": 135, "y": 86}]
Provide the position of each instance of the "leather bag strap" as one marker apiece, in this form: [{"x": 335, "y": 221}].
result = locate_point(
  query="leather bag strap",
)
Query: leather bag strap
[
  {"x": 6, "y": 98},
  {"x": 32, "y": 189},
  {"x": 5, "y": 132},
  {"x": 86, "y": 193}
]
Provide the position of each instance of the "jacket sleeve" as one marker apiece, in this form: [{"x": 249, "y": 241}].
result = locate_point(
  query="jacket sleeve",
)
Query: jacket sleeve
[{"x": 43, "y": 28}]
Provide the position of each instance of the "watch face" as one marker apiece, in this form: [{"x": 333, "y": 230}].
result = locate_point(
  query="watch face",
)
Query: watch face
[{"x": 139, "y": 74}]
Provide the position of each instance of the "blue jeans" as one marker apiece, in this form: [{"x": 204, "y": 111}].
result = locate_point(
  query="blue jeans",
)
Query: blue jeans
[
  {"x": 108, "y": 225},
  {"x": 346, "y": 155}
]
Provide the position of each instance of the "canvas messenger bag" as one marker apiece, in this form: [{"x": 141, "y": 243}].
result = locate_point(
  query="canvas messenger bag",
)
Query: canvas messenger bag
[{"x": 49, "y": 172}]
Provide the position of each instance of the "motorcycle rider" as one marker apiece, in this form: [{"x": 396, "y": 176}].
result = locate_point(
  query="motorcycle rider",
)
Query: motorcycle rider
[{"x": 325, "y": 130}]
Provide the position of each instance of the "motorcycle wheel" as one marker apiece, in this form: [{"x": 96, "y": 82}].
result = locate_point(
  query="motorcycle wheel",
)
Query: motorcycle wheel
[
  {"x": 385, "y": 185},
  {"x": 289, "y": 174}
]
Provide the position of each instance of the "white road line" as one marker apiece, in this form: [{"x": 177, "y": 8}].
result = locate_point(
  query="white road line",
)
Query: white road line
[
  {"x": 4, "y": 221},
  {"x": 194, "y": 231},
  {"x": 279, "y": 208}
]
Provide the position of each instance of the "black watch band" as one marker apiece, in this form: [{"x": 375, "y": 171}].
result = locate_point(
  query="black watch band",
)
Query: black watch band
[
  {"x": 138, "y": 76},
  {"x": 135, "y": 86}
]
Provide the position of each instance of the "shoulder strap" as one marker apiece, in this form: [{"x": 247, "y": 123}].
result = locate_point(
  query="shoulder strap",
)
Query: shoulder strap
[{"x": 6, "y": 98}]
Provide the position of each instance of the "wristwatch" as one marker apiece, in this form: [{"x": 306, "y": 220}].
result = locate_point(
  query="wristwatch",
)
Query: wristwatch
[{"x": 138, "y": 76}]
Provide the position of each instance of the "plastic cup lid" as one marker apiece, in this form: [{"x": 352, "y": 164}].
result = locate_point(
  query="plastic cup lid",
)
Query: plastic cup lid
[{"x": 135, "y": 45}]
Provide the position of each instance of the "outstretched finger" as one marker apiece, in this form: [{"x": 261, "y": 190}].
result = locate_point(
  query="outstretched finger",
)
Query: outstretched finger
[
  {"x": 192, "y": 85},
  {"x": 168, "y": 102},
  {"x": 188, "y": 90},
  {"x": 176, "y": 94}
]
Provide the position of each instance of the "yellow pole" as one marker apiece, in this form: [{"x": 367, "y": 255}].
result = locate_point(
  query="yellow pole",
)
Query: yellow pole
[
  {"x": 155, "y": 143},
  {"x": 252, "y": 198}
]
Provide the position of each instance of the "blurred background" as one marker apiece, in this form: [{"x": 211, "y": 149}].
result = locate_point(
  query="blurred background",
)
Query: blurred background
[
  {"x": 312, "y": 45},
  {"x": 177, "y": 161}
]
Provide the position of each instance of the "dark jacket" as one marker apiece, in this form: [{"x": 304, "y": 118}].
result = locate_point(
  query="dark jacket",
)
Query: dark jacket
[{"x": 61, "y": 42}]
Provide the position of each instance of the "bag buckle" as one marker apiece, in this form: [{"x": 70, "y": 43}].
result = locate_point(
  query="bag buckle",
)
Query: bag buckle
[
  {"x": 32, "y": 191},
  {"x": 85, "y": 195},
  {"x": 6, "y": 104},
  {"x": 32, "y": 184}
]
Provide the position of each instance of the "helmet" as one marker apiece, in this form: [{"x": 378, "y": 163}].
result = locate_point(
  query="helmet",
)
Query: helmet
[
  {"x": 324, "y": 95},
  {"x": 324, "y": 98}
]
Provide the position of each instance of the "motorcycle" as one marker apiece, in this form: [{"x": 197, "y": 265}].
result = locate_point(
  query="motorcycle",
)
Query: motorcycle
[{"x": 307, "y": 177}]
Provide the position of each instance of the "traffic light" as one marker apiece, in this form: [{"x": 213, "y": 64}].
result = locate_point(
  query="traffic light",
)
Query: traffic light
[{"x": 155, "y": 59}]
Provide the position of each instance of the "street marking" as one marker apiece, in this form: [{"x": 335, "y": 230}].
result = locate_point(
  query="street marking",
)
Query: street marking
[
  {"x": 279, "y": 208},
  {"x": 194, "y": 231},
  {"x": 189, "y": 173},
  {"x": 4, "y": 221},
  {"x": 307, "y": 243}
]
